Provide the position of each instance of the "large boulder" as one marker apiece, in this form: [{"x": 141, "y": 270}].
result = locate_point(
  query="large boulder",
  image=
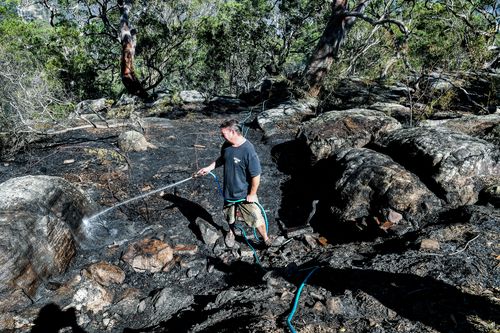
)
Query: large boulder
[
  {"x": 455, "y": 166},
  {"x": 371, "y": 187},
  {"x": 41, "y": 223},
  {"x": 484, "y": 126},
  {"x": 344, "y": 129},
  {"x": 355, "y": 92},
  {"x": 281, "y": 123}
]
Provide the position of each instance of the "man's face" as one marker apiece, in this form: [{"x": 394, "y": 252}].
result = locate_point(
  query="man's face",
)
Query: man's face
[{"x": 228, "y": 134}]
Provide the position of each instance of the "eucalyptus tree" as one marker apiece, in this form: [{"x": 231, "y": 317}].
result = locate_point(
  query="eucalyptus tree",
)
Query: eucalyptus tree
[
  {"x": 419, "y": 35},
  {"x": 144, "y": 44}
]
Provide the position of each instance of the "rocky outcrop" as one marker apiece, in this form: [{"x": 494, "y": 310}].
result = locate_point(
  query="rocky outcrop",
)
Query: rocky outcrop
[
  {"x": 357, "y": 92},
  {"x": 344, "y": 129},
  {"x": 453, "y": 165},
  {"x": 486, "y": 127},
  {"x": 371, "y": 187},
  {"x": 401, "y": 113},
  {"x": 282, "y": 122},
  {"x": 40, "y": 219}
]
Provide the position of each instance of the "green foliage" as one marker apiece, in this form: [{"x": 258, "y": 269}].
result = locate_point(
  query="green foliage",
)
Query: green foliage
[
  {"x": 444, "y": 35},
  {"x": 229, "y": 46},
  {"x": 246, "y": 36},
  {"x": 8, "y": 8}
]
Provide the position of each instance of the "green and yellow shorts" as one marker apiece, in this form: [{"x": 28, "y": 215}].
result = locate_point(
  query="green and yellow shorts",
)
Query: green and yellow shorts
[{"x": 248, "y": 211}]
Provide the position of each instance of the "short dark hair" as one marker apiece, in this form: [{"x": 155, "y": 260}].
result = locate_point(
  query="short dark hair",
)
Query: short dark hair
[{"x": 232, "y": 124}]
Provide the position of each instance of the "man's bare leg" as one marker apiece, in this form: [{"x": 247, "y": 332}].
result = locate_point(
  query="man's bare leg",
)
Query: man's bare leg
[{"x": 262, "y": 231}]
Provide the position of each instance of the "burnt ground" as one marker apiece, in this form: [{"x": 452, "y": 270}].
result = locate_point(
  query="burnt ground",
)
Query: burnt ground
[{"x": 365, "y": 281}]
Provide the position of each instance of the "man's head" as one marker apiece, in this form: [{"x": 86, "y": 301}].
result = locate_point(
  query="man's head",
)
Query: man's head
[{"x": 230, "y": 130}]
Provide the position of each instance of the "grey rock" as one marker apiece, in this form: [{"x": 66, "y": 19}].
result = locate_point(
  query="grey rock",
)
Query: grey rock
[
  {"x": 372, "y": 185},
  {"x": 208, "y": 233},
  {"x": 41, "y": 223},
  {"x": 133, "y": 141},
  {"x": 284, "y": 120},
  {"x": 455, "y": 166},
  {"x": 191, "y": 96},
  {"x": 474, "y": 125},
  {"x": 344, "y": 129},
  {"x": 93, "y": 106}
]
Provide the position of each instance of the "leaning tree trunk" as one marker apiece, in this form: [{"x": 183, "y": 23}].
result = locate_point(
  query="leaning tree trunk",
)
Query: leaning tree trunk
[
  {"x": 127, "y": 38},
  {"x": 328, "y": 46}
]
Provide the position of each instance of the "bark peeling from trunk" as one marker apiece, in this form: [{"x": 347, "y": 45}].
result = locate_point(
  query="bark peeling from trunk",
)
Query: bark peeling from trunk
[
  {"x": 127, "y": 38},
  {"x": 329, "y": 45}
]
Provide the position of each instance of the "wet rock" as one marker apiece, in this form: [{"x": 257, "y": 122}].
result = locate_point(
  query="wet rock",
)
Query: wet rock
[
  {"x": 133, "y": 141},
  {"x": 150, "y": 255},
  {"x": 105, "y": 274},
  {"x": 344, "y": 129},
  {"x": 370, "y": 183},
  {"x": 41, "y": 223},
  {"x": 453, "y": 165},
  {"x": 283, "y": 121}
]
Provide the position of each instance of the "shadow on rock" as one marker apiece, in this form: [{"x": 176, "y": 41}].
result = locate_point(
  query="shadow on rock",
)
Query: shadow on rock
[
  {"x": 239, "y": 273},
  {"x": 191, "y": 211},
  {"x": 298, "y": 192},
  {"x": 429, "y": 301},
  {"x": 51, "y": 319},
  {"x": 308, "y": 182}
]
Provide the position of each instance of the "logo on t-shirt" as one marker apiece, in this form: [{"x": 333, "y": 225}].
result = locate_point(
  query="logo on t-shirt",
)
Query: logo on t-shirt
[{"x": 236, "y": 160}]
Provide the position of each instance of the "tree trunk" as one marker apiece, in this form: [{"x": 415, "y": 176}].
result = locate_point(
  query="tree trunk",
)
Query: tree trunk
[
  {"x": 127, "y": 38},
  {"x": 328, "y": 46}
]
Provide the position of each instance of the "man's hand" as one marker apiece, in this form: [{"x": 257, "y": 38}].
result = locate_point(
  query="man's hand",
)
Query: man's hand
[
  {"x": 204, "y": 171},
  {"x": 252, "y": 198}
]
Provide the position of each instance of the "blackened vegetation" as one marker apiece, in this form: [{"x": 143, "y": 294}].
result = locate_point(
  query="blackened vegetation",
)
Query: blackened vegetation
[
  {"x": 380, "y": 283},
  {"x": 424, "y": 299}
]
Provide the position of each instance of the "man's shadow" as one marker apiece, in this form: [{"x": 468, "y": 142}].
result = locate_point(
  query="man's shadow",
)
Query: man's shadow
[
  {"x": 192, "y": 211},
  {"x": 51, "y": 319},
  {"x": 424, "y": 299}
]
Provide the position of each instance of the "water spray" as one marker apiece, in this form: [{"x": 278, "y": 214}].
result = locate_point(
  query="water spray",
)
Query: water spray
[{"x": 85, "y": 220}]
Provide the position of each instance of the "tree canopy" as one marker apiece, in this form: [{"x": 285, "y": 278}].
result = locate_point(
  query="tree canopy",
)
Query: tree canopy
[{"x": 72, "y": 48}]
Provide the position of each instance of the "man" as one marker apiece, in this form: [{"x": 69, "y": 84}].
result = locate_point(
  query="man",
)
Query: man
[{"x": 241, "y": 180}]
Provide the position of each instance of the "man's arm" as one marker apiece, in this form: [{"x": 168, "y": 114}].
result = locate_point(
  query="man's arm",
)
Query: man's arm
[
  {"x": 254, "y": 186},
  {"x": 207, "y": 169}
]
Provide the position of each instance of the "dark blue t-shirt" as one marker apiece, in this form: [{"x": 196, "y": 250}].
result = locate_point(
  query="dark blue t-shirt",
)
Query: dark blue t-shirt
[{"x": 240, "y": 165}]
